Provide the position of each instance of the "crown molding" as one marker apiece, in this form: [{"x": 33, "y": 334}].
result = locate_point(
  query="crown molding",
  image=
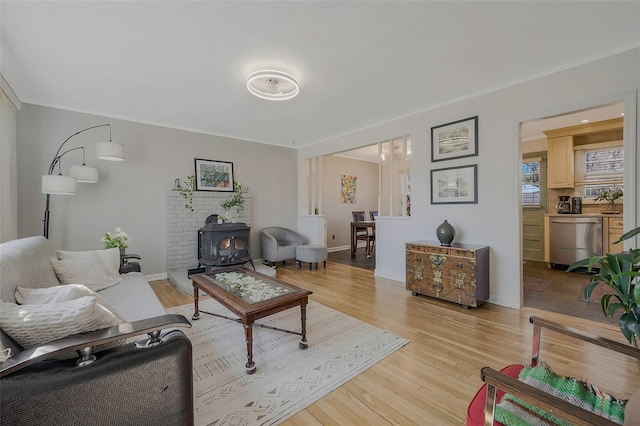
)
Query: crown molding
[{"x": 9, "y": 93}]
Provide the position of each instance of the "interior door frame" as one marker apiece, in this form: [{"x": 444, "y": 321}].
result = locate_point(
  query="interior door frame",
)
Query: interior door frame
[{"x": 630, "y": 211}]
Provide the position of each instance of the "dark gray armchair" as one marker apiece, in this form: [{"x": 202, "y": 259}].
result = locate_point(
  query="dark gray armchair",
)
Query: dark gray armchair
[
  {"x": 70, "y": 380},
  {"x": 279, "y": 244},
  {"x": 144, "y": 383}
]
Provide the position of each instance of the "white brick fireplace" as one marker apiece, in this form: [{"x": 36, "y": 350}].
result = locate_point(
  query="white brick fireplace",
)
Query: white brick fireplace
[{"x": 182, "y": 230}]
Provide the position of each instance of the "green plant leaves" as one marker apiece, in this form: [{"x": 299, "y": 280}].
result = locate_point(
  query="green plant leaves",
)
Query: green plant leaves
[{"x": 620, "y": 272}]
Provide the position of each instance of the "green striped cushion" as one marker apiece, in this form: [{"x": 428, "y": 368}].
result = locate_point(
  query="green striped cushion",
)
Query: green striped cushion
[{"x": 514, "y": 411}]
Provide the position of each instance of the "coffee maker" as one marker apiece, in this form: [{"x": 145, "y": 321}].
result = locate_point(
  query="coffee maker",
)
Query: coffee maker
[
  {"x": 576, "y": 205},
  {"x": 563, "y": 205}
]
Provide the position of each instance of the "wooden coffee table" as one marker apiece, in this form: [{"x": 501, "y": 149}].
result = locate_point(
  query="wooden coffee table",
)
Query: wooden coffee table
[{"x": 251, "y": 296}]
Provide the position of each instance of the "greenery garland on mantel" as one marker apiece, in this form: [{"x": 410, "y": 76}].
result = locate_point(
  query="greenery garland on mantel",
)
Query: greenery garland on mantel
[
  {"x": 237, "y": 200},
  {"x": 187, "y": 192}
]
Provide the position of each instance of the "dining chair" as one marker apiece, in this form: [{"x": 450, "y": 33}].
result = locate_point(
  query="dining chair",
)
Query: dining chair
[
  {"x": 363, "y": 233},
  {"x": 373, "y": 214}
]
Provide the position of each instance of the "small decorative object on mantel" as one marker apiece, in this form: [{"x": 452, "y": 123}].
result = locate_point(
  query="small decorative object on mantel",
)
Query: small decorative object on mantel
[
  {"x": 610, "y": 195},
  {"x": 119, "y": 239},
  {"x": 445, "y": 233}
]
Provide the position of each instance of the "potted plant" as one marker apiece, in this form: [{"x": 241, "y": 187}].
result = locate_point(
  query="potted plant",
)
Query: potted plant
[
  {"x": 119, "y": 239},
  {"x": 619, "y": 271},
  {"x": 610, "y": 195},
  {"x": 236, "y": 201}
]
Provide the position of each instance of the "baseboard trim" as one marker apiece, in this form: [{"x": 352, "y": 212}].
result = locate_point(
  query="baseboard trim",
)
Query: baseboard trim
[
  {"x": 155, "y": 277},
  {"x": 340, "y": 248}
]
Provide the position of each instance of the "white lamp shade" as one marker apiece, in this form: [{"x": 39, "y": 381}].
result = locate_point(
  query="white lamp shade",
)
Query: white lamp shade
[
  {"x": 59, "y": 185},
  {"x": 84, "y": 174},
  {"x": 110, "y": 151}
]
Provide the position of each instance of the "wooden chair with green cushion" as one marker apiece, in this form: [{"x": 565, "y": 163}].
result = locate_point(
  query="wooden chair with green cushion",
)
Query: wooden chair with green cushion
[{"x": 504, "y": 396}]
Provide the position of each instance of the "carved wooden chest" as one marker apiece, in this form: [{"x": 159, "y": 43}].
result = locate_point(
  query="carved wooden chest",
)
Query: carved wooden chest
[{"x": 459, "y": 273}]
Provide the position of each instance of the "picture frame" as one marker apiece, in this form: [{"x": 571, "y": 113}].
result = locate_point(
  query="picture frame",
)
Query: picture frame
[
  {"x": 455, "y": 140},
  {"x": 212, "y": 175},
  {"x": 455, "y": 185},
  {"x": 348, "y": 188}
]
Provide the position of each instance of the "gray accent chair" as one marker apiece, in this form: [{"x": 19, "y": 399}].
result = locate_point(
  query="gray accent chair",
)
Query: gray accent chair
[{"x": 279, "y": 244}]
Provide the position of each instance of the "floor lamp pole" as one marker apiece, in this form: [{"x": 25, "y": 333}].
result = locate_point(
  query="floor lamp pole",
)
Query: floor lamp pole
[{"x": 46, "y": 218}]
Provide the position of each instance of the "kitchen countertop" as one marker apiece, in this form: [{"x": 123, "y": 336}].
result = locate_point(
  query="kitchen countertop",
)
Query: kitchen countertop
[{"x": 584, "y": 215}]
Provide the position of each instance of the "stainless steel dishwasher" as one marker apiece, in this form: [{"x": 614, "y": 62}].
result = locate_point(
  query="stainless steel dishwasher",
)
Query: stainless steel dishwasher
[{"x": 567, "y": 234}]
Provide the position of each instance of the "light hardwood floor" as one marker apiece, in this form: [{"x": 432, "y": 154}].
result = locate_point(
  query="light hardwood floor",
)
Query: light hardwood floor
[{"x": 431, "y": 380}]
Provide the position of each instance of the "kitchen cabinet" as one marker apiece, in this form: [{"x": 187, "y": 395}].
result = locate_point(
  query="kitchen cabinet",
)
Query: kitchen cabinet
[
  {"x": 561, "y": 144},
  {"x": 560, "y": 169},
  {"x": 614, "y": 234},
  {"x": 458, "y": 274}
]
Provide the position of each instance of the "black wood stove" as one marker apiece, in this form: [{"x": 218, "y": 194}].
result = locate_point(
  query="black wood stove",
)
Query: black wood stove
[{"x": 224, "y": 244}]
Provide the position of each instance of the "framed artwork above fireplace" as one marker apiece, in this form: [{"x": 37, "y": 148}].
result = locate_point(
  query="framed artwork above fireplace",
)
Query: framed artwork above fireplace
[{"x": 211, "y": 175}]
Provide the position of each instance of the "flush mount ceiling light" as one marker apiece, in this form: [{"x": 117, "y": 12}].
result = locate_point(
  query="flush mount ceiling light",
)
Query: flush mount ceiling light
[{"x": 273, "y": 85}]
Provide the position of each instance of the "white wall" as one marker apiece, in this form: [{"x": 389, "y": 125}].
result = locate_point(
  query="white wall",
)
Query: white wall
[
  {"x": 495, "y": 220},
  {"x": 133, "y": 194},
  {"x": 8, "y": 160}
]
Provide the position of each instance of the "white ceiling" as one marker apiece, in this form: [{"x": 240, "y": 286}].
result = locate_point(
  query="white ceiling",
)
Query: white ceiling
[{"x": 184, "y": 64}]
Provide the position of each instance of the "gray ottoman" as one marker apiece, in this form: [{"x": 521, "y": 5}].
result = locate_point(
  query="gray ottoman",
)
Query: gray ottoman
[{"x": 311, "y": 253}]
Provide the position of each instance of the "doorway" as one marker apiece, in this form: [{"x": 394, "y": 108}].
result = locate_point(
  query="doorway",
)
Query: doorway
[{"x": 543, "y": 287}]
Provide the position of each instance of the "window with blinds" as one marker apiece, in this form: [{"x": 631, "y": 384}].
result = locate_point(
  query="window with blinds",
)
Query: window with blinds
[
  {"x": 598, "y": 169},
  {"x": 531, "y": 181}
]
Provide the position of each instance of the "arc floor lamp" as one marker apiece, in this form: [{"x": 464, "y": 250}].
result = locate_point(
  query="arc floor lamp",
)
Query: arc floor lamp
[{"x": 67, "y": 185}]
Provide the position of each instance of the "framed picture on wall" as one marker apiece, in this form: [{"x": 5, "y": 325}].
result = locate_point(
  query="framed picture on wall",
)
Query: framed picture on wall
[
  {"x": 455, "y": 140},
  {"x": 455, "y": 185},
  {"x": 213, "y": 175},
  {"x": 348, "y": 187}
]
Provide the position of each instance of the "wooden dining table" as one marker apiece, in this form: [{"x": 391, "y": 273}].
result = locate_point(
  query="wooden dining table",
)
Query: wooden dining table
[{"x": 359, "y": 226}]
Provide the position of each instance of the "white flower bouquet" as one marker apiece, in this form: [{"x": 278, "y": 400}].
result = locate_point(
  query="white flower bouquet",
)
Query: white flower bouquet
[
  {"x": 250, "y": 288},
  {"x": 118, "y": 239}
]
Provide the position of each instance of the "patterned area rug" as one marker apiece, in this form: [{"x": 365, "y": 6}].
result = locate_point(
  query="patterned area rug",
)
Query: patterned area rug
[
  {"x": 287, "y": 379},
  {"x": 599, "y": 291},
  {"x": 535, "y": 284}
]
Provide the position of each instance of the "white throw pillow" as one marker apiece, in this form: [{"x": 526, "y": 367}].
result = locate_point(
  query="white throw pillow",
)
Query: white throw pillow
[
  {"x": 97, "y": 269},
  {"x": 33, "y": 325},
  {"x": 5, "y": 353},
  {"x": 60, "y": 293}
]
